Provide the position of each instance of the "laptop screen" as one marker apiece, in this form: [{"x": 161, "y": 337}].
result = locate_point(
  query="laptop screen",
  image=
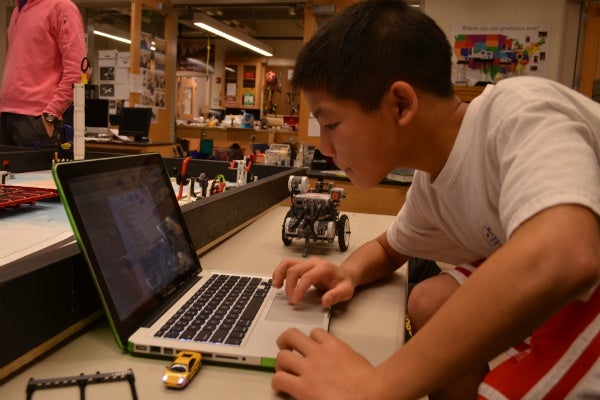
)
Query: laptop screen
[{"x": 129, "y": 222}]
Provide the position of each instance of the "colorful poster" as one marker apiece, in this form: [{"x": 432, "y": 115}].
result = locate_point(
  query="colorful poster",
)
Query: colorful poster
[{"x": 487, "y": 53}]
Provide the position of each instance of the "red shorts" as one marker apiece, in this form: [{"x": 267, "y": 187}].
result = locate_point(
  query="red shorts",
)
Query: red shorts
[{"x": 562, "y": 362}]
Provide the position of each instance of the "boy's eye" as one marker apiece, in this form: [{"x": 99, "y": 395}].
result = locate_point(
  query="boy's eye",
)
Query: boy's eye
[{"x": 331, "y": 126}]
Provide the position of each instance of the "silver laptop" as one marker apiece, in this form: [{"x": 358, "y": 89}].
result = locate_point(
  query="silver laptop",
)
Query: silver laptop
[{"x": 131, "y": 231}]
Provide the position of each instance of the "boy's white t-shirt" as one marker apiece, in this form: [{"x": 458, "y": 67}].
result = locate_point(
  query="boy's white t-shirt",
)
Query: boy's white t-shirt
[{"x": 525, "y": 144}]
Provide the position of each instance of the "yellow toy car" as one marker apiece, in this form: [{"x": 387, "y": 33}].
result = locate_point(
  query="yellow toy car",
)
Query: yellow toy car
[{"x": 181, "y": 371}]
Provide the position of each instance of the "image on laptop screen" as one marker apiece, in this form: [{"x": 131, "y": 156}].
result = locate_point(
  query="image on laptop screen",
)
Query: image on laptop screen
[
  {"x": 135, "y": 122},
  {"x": 96, "y": 117},
  {"x": 140, "y": 235}
]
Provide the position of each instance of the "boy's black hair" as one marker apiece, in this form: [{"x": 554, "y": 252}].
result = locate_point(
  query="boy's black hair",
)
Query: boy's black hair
[{"x": 360, "y": 52}]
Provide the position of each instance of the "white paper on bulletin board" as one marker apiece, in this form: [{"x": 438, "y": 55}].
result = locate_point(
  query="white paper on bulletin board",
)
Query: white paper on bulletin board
[
  {"x": 313, "y": 126},
  {"x": 231, "y": 89},
  {"x": 136, "y": 83}
]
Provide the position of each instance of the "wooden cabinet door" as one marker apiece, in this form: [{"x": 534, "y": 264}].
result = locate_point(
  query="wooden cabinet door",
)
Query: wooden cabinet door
[
  {"x": 590, "y": 63},
  {"x": 243, "y": 85}
]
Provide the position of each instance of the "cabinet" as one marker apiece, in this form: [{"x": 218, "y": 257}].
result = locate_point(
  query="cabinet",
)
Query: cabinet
[
  {"x": 243, "y": 82},
  {"x": 590, "y": 64},
  {"x": 468, "y": 93},
  {"x": 226, "y": 136}
]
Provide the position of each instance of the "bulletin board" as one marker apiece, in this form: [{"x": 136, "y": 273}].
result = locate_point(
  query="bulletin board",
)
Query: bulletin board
[
  {"x": 492, "y": 52},
  {"x": 152, "y": 70}
]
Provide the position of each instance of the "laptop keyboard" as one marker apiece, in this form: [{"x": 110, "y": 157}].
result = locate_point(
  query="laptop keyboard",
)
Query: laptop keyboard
[{"x": 221, "y": 311}]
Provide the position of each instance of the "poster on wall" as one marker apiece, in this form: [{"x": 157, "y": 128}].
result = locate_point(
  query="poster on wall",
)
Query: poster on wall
[
  {"x": 152, "y": 71},
  {"x": 107, "y": 90},
  {"x": 107, "y": 73},
  {"x": 488, "y": 53}
]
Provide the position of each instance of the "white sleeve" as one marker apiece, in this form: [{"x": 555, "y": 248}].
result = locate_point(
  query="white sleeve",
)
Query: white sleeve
[
  {"x": 414, "y": 232},
  {"x": 547, "y": 156}
]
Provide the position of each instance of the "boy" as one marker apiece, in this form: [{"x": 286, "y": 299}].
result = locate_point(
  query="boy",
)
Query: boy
[{"x": 507, "y": 188}]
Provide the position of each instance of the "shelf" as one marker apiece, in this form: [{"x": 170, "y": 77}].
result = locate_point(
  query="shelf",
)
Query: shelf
[
  {"x": 243, "y": 84},
  {"x": 468, "y": 93}
]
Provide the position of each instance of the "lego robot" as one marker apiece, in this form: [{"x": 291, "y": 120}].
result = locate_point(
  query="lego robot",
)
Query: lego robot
[{"x": 313, "y": 215}]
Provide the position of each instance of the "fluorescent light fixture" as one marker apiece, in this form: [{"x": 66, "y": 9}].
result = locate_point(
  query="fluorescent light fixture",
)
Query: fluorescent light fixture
[
  {"x": 201, "y": 64},
  {"x": 212, "y": 25},
  {"x": 113, "y": 37}
]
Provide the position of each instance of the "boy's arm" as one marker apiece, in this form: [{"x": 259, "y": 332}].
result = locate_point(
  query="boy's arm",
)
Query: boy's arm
[
  {"x": 373, "y": 261},
  {"x": 550, "y": 261}
]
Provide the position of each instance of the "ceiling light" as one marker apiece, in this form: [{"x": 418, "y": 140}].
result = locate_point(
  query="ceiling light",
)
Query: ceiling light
[
  {"x": 207, "y": 23},
  {"x": 113, "y": 37},
  {"x": 201, "y": 64}
]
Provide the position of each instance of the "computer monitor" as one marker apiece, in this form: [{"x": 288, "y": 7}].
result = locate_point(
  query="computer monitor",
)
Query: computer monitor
[
  {"x": 96, "y": 116},
  {"x": 218, "y": 113},
  {"x": 241, "y": 111},
  {"x": 135, "y": 122}
]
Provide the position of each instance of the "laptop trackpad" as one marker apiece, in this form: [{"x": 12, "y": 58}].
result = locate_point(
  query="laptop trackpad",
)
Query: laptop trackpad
[{"x": 309, "y": 311}]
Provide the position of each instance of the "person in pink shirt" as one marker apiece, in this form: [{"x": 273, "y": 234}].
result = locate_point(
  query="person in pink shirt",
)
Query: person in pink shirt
[{"x": 46, "y": 46}]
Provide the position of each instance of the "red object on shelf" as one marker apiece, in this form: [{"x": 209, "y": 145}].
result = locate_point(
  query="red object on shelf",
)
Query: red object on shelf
[{"x": 14, "y": 196}]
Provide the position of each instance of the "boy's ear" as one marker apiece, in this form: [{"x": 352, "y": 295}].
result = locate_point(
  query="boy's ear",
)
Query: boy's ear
[{"x": 405, "y": 102}]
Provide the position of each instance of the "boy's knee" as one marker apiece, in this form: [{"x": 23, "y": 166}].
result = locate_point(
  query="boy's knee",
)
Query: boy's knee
[
  {"x": 419, "y": 306},
  {"x": 427, "y": 297}
]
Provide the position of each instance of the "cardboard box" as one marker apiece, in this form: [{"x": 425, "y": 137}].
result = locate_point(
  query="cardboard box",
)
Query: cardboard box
[
  {"x": 107, "y": 55},
  {"x": 107, "y": 58},
  {"x": 123, "y": 59},
  {"x": 107, "y": 62}
]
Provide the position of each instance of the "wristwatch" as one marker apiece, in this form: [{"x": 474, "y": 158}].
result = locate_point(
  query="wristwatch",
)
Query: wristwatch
[{"x": 49, "y": 117}]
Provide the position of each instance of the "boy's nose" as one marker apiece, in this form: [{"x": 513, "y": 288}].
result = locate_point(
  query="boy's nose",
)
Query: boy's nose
[{"x": 325, "y": 146}]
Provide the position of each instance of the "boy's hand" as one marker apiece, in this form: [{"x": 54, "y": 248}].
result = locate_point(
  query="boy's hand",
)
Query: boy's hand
[
  {"x": 300, "y": 275},
  {"x": 49, "y": 126},
  {"x": 320, "y": 366}
]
